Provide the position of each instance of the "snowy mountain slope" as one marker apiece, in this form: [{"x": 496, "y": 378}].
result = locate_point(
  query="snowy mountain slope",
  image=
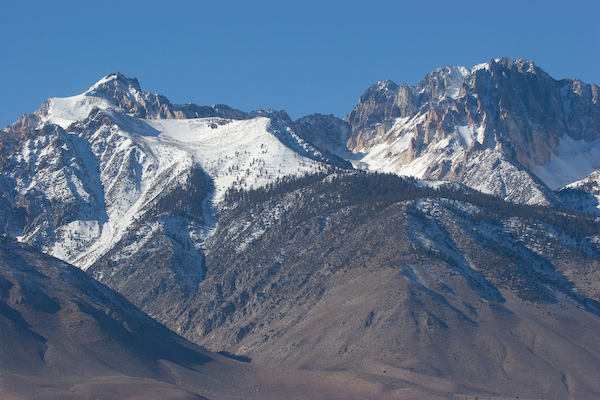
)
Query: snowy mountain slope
[
  {"x": 574, "y": 161},
  {"x": 93, "y": 183},
  {"x": 233, "y": 153},
  {"x": 49, "y": 185},
  {"x": 583, "y": 195},
  {"x": 527, "y": 133}
]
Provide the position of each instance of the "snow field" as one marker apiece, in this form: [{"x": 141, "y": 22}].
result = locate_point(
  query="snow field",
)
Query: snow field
[
  {"x": 240, "y": 154},
  {"x": 138, "y": 159},
  {"x": 576, "y": 160}
]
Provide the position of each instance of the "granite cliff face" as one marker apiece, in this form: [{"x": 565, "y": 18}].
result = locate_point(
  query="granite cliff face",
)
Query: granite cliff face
[
  {"x": 514, "y": 106},
  {"x": 504, "y": 127},
  {"x": 385, "y": 101}
]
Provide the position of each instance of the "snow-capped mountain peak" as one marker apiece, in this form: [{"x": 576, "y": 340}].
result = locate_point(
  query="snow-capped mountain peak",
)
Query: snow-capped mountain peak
[
  {"x": 386, "y": 88},
  {"x": 105, "y": 175},
  {"x": 117, "y": 87},
  {"x": 114, "y": 91},
  {"x": 540, "y": 128},
  {"x": 116, "y": 79}
]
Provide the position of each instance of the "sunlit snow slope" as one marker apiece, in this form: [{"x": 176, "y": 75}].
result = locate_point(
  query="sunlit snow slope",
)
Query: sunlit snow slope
[
  {"x": 239, "y": 154},
  {"x": 111, "y": 182},
  {"x": 139, "y": 157}
]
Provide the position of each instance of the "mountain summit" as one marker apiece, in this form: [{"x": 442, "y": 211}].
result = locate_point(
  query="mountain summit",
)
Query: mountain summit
[
  {"x": 95, "y": 178},
  {"x": 500, "y": 128}
]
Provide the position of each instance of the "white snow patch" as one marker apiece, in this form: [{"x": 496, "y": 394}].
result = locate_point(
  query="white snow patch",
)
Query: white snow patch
[
  {"x": 466, "y": 135},
  {"x": 477, "y": 67},
  {"x": 456, "y": 77},
  {"x": 576, "y": 160},
  {"x": 65, "y": 111},
  {"x": 72, "y": 237}
]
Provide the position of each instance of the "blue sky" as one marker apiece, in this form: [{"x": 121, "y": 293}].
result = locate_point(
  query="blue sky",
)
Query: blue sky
[{"x": 300, "y": 56}]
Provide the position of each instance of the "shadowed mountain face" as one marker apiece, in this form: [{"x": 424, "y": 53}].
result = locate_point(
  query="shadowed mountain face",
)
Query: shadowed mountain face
[{"x": 65, "y": 336}]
